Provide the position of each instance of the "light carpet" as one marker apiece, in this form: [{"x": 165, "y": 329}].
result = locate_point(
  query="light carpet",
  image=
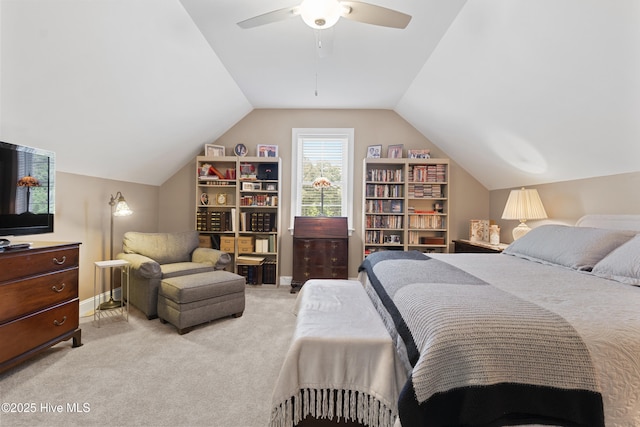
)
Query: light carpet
[{"x": 142, "y": 373}]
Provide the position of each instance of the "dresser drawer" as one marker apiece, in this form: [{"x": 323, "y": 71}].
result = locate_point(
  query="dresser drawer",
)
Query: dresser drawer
[
  {"x": 39, "y": 328},
  {"x": 28, "y": 295},
  {"x": 20, "y": 264}
]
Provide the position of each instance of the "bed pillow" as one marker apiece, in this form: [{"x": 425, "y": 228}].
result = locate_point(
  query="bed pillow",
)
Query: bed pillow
[
  {"x": 623, "y": 264},
  {"x": 579, "y": 248}
]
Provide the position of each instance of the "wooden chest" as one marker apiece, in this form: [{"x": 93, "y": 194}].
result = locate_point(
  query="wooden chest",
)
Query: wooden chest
[
  {"x": 39, "y": 304},
  {"x": 320, "y": 249}
]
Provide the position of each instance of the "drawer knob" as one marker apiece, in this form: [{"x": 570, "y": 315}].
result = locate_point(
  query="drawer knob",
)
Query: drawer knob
[
  {"x": 307, "y": 274},
  {"x": 334, "y": 259},
  {"x": 55, "y": 288},
  {"x": 59, "y": 262},
  {"x": 64, "y": 319}
]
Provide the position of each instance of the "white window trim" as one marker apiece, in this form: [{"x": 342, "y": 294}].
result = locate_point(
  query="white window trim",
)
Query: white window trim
[{"x": 296, "y": 159}]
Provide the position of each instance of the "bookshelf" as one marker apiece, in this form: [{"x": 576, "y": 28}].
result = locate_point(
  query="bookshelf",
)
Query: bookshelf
[
  {"x": 405, "y": 205},
  {"x": 238, "y": 211}
]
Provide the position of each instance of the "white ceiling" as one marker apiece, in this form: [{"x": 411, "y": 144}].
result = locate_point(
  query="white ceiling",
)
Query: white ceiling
[{"x": 518, "y": 92}]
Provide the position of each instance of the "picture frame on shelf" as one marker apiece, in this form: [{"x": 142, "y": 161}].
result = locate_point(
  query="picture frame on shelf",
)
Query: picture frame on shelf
[
  {"x": 395, "y": 151},
  {"x": 211, "y": 150},
  {"x": 373, "y": 151},
  {"x": 264, "y": 150},
  {"x": 247, "y": 171},
  {"x": 419, "y": 154},
  {"x": 240, "y": 150},
  {"x": 204, "y": 199},
  {"x": 272, "y": 187},
  {"x": 247, "y": 186}
]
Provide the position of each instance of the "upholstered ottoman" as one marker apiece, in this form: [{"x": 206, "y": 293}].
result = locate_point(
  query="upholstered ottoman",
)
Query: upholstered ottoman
[{"x": 187, "y": 301}]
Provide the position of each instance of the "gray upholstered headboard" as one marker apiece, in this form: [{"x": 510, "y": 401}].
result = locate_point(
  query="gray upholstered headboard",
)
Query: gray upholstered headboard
[{"x": 616, "y": 222}]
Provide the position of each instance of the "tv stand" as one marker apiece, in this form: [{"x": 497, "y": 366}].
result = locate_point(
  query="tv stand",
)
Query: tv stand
[{"x": 39, "y": 304}]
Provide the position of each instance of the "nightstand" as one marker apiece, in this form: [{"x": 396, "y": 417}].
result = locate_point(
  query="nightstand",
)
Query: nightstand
[{"x": 467, "y": 246}]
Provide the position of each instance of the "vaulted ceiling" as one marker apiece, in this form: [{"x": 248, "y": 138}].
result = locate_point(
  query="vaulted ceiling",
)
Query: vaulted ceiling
[{"x": 518, "y": 92}]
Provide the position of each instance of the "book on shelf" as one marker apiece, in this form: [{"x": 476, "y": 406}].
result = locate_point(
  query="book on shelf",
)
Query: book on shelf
[
  {"x": 269, "y": 271},
  {"x": 251, "y": 273}
]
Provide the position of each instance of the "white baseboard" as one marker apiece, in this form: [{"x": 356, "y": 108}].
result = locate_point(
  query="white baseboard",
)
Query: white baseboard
[
  {"x": 87, "y": 305},
  {"x": 285, "y": 280}
]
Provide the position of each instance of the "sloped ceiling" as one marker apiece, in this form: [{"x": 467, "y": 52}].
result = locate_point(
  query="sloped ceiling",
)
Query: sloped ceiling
[{"x": 517, "y": 92}]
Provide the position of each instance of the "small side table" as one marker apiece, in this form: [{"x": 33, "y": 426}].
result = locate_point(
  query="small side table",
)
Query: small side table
[
  {"x": 124, "y": 274},
  {"x": 468, "y": 246}
]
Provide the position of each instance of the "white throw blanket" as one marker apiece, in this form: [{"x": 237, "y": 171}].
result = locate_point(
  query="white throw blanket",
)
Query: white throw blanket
[{"x": 341, "y": 362}]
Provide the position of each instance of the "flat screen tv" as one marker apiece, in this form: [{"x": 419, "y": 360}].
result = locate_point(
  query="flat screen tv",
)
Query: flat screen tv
[{"x": 27, "y": 184}]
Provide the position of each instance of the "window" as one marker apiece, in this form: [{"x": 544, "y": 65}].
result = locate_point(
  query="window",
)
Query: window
[{"x": 323, "y": 157}]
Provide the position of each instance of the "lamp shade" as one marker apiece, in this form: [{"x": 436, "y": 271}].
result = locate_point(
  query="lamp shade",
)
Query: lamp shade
[
  {"x": 524, "y": 204},
  {"x": 28, "y": 181},
  {"x": 122, "y": 208},
  {"x": 321, "y": 182}
]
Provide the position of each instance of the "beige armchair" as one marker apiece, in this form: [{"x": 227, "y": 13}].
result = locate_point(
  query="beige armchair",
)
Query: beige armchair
[{"x": 157, "y": 256}]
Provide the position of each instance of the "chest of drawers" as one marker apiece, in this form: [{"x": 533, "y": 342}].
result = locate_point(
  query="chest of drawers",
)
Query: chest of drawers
[
  {"x": 39, "y": 304},
  {"x": 320, "y": 249}
]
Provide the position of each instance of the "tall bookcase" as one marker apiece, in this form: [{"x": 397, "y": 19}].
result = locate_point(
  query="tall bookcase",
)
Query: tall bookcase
[
  {"x": 238, "y": 210},
  {"x": 406, "y": 205}
]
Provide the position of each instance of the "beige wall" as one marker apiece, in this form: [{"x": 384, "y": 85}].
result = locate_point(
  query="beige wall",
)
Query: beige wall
[
  {"x": 468, "y": 198},
  {"x": 565, "y": 202},
  {"x": 82, "y": 210},
  {"x": 82, "y": 215}
]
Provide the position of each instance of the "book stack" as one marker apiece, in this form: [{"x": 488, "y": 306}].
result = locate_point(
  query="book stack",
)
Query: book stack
[
  {"x": 385, "y": 175},
  {"x": 269, "y": 271},
  {"x": 257, "y": 221},
  {"x": 213, "y": 221},
  {"x": 266, "y": 244}
]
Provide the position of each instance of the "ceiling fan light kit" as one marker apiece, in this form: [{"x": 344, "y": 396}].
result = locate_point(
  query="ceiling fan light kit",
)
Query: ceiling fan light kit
[{"x": 321, "y": 14}]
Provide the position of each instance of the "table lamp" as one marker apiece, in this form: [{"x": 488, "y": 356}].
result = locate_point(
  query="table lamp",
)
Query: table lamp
[
  {"x": 523, "y": 204},
  {"x": 321, "y": 183}
]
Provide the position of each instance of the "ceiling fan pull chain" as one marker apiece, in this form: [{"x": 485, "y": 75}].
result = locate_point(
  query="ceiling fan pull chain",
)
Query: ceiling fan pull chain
[{"x": 317, "y": 57}]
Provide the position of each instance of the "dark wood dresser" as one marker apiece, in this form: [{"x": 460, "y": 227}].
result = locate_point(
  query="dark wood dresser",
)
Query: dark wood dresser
[
  {"x": 467, "y": 246},
  {"x": 320, "y": 249},
  {"x": 39, "y": 304}
]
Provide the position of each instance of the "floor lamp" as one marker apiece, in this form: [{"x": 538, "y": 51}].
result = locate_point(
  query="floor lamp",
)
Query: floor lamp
[{"x": 119, "y": 207}]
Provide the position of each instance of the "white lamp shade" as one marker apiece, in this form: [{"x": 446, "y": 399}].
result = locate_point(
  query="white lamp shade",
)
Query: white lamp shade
[
  {"x": 524, "y": 204},
  {"x": 320, "y": 14},
  {"x": 122, "y": 208}
]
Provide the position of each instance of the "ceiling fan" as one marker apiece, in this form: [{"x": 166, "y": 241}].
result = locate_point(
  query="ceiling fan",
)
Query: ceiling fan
[{"x": 322, "y": 14}]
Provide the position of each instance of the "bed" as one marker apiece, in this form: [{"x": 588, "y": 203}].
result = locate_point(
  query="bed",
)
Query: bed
[{"x": 546, "y": 333}]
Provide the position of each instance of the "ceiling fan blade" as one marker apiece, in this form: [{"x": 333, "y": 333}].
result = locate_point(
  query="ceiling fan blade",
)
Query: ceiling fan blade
[
  {"x": 376, "y": 15},
  {"x": 269, "y": 17}
]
